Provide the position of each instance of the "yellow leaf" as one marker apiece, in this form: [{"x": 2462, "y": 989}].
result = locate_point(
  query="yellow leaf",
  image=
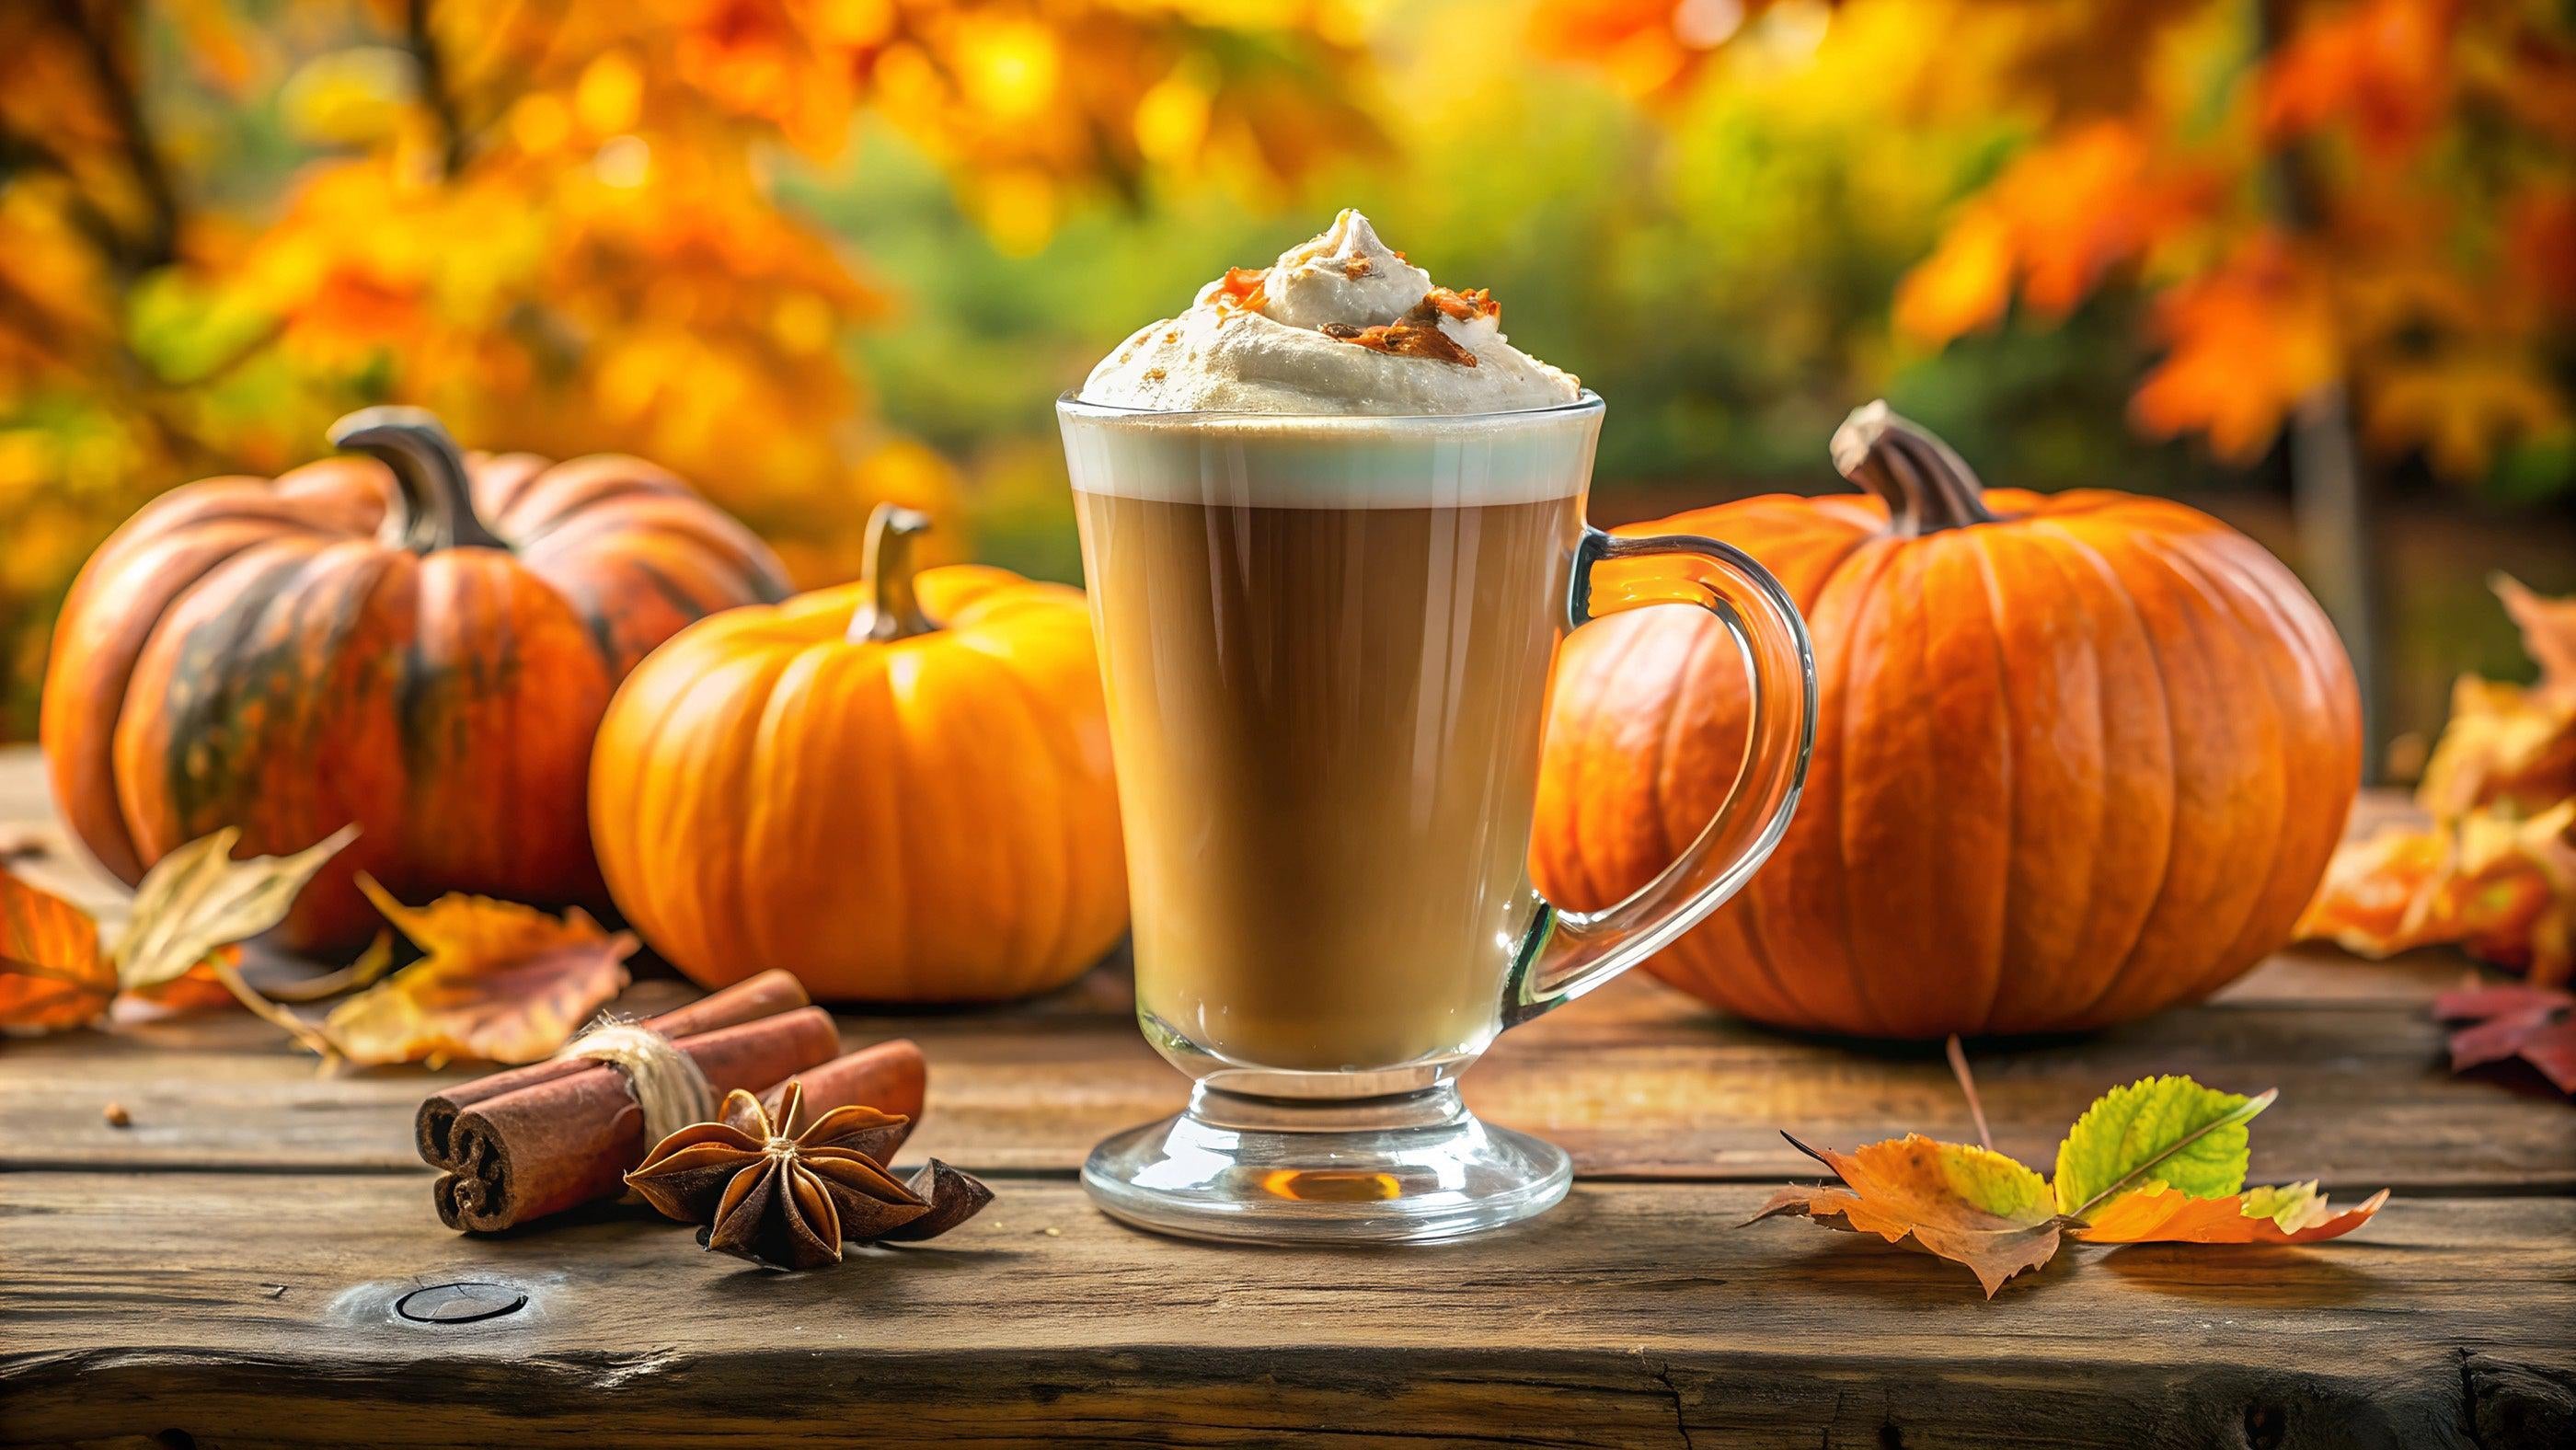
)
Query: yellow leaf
[
  {"x": 1970, "y": 1205},
  {"x": 1964, "y": 285},
  {"x": 353, "y": 97},
  {"x": 2459, "y": 404},
  {"x": 2246, "y": 342}
]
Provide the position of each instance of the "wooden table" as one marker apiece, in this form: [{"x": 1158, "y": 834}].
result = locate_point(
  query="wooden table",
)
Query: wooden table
[{"x": 225, "y": 1270}]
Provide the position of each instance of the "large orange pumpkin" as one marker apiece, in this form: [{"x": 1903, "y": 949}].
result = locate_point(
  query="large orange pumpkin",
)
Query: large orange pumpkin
[
  {"x": 2078, "y": 756},
  {"x": 409, "y": 641},
  {"x": 899, "y": 790}
]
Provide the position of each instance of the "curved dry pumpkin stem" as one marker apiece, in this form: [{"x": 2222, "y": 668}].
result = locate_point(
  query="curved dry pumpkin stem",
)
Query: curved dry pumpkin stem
[
  {"x": 1927, "y": 487},
  {"x": 889, "y": 609},
  {"x": 433, "y": 505}
]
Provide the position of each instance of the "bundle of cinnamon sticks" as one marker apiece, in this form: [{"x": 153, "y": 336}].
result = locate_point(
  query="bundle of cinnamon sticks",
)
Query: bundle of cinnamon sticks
[{"x": 537, "y": 1140}]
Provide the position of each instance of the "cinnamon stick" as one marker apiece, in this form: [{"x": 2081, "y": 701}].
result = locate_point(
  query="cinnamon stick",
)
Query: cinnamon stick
[
  {"x": 567, "y": 1138},
  {"x": 889, "y": 1077},
  {"x": 748, "y": 1000}
]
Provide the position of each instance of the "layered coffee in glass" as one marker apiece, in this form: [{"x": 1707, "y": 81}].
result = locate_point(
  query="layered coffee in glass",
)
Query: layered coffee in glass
[{"x": 1332, "y": 527}]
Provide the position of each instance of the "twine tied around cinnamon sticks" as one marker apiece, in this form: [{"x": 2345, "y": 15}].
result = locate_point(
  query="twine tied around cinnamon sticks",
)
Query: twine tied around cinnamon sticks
[
  {"x": 532, "y": 1141},
  {"x": 665, "y": 1083}
]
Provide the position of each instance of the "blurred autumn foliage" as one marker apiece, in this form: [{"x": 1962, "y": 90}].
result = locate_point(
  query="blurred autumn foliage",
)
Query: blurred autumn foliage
[
  {"x": 812, "y": 253},
  {"x": 2376, "y": 194},
  {"x": 557, "y": 225}
]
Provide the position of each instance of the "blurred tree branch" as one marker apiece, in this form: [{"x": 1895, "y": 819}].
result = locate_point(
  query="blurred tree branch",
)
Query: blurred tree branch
[
  {"x": 103, "y": 30},
  {"x": 437, "y": 96}
]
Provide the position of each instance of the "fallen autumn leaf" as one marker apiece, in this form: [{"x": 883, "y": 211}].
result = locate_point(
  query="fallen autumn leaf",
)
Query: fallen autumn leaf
[
  {"x": 500, "y": 982},
  {"x": 53, "y": 973},
  {"x": 1969, "y": 1205},
  {"x": 2161, "y": 1160},
  {"x": 2506, "y": 1020},
  {"x": 198, "y": 899}
]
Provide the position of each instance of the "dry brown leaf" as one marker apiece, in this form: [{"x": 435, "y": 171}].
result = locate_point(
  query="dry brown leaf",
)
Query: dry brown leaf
[
  {"x": 500, "y": 982},
  {"x": 198, "y": 899},
  {"x": 2511, "y": 745},
  {"x": 53, "y": 972},
  {"x": 2501, "y": 886},
  {"x": 2548, "y": 632},
  {"x": 2504, "y": 745},
  {"x": 2495, "y": 872}
]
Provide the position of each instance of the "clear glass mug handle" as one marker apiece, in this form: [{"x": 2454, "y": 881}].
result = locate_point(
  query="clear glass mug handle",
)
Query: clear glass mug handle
[{"x": 1568, "y": 953}]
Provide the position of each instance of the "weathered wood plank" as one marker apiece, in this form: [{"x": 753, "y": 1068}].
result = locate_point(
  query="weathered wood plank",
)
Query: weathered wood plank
[
  {"x": 1640, "y": 1082},
  {"x": 1636, "y": 1082},
  {"x": 232, "y": 1306}
]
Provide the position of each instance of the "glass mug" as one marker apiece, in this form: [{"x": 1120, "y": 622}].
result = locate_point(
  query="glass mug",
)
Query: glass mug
[{"x": 1326, "y": 644}]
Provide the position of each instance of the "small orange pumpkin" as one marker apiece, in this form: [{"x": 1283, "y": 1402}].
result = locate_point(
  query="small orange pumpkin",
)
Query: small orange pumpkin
[
  {"x": 2078, "y": 756},
  {"x": 899, "y": 790},
  {"x": 415, "y": 641}
]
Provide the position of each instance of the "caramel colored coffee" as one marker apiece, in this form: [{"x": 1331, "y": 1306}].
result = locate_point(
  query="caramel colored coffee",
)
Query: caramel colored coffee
[{"x": 1325, "y": 704}]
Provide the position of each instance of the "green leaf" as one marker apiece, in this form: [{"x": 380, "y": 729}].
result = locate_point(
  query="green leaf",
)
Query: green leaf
[{"x": 2167, "y": 1131}]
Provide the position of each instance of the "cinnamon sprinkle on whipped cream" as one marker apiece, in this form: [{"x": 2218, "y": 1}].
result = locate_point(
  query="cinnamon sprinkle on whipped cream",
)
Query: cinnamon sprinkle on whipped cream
[{"x": 1340, "y": 323}]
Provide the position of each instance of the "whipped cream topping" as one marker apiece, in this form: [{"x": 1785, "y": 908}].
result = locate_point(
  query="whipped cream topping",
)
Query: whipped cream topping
[{"x": 1339, "y": 324}]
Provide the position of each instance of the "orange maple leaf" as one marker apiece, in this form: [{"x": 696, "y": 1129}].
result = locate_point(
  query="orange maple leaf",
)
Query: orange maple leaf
[
  {"x": 2245, "y": 343},
  {"x": 2384, "y": 66},
  {"x": 501, "y": 983},
  {"x": 1965, "y": 285},
  {"x": 2066, "y": 212},
  {"x": 54, "y": 973},
  {"x": 2494, "y": 871}
]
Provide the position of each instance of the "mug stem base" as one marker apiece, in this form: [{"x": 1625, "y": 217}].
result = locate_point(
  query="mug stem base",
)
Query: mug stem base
[{"x": 1404, "y": 1169}]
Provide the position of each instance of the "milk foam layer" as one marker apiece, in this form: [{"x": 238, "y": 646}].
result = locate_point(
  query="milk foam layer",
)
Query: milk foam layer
[
  {"x": 1258, "y": 342},
  {"x": 1250, "y": 460}
]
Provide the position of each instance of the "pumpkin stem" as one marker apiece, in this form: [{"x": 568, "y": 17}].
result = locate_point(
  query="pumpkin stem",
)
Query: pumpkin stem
[
  {"x": 890, "y": 610},
  {"x": 433, "y": 504},
  {"x": 1927, "y": 487}
]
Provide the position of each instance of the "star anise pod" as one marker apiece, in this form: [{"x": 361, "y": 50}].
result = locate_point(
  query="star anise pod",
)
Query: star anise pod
[{"x": 787, "y": 1197}]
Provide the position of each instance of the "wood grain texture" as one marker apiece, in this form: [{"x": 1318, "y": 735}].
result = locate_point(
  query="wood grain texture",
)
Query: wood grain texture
[
  {"x": 1636, "y": 1082},
  {"x": 1635, "y": 1315},
  {"x": 226, "y": 1267}
]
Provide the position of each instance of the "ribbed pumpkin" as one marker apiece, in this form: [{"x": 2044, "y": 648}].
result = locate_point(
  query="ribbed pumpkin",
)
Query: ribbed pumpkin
[
  {"x": 899, "y": 790},
  {"x": 413, "y": 642},
  {"x": 2078, "y": 757}
]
